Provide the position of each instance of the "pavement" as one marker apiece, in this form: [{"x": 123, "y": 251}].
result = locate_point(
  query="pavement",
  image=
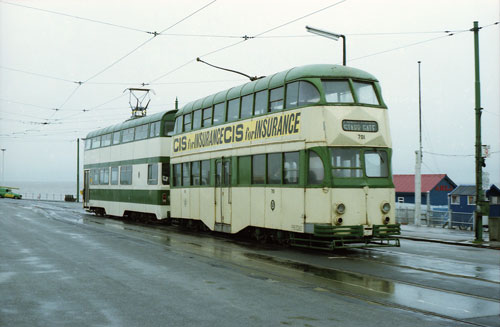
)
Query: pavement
[{"x": 446, "y": 236}]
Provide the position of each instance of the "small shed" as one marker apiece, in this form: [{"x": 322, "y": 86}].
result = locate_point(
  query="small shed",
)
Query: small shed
[
  {"x": 493, "y": 196},
  {"x": 462, "y": 206},
  {"x": 433, "y": 186}
]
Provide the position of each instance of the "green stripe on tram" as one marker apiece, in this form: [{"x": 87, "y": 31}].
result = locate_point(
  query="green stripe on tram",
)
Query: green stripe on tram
[
  {"x": 150, "y": 160},
  {"x": 154, "y": 197}
]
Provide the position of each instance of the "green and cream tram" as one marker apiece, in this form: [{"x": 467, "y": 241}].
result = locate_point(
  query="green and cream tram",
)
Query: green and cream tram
[
  {"x": 304, "y": 154},
  {"x": 126, "y": 167}
]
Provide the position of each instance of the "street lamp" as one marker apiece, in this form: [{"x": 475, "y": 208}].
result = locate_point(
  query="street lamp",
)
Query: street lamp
[
  {"x": 330, "y": 35},
  {"x": 3, "y": 165}
]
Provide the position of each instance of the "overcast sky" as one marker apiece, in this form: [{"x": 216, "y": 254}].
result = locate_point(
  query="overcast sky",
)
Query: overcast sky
[{"x": 47, "y": 47}]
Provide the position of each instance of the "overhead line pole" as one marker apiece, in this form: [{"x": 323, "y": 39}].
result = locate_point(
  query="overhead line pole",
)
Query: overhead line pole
[{"x": 478, "y": 222}]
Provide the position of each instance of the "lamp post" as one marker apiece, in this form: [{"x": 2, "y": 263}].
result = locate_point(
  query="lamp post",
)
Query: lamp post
[
  {"x": 3, "y": 165},
  {"x": 330, "y": 35}
]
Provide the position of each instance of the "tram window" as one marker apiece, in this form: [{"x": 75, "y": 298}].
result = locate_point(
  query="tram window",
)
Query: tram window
[
  {"x": 218, "y": 173},
  {"x": 233, "y": 110},
  {"x": 365, "y": 93},
  {"x": 168, "y": 128},
  {"x": 291, "y": 168},
  {"x": 128, "y": 135},
  {"x": 154, "y": 129},
  {"x": 88, "y": 144},
  {"x": 96, "y": 142},
  {"x": 187, "y": 122},
  {"x": 195, "y": 172},
  {"x": 116, "y": 138},
  {"x": 106, "y": 140},
  {"x": 308, "y": 93},
  {"x": 207, "y": 117},
  {"x": 259, "y": 169},
  {"x": 114, "y": 175},
  {"x": 316, "y": 169},
  {"x": 205, "y": 172},
  {"x": 246, "y": 106},
  {"x": 227, "y": 173},
  {"x": 197, "y": 119},
  {"x": 376, "y": 164},
  {"x": 153, "y": 174},
  {"x": 244, "y": 171},
  {"x": 177, "y": 174},
  {"x": 260, "y": 102},
  {"x": 178, "y": 125},
  {"x": 165, "y": 173},
  {"x": 94, "y": 177},
  {"x": 346, "y": 163},
  {"x": 104, "y": 176},
  {"x": 276, "y": 99},
  {"x": 141, "y": 132},
  {"x": 274, "y": 165},
  {"x": 186, "y": 176},
  {"x": 219, "y": 113},
  {"x": 292, "y": 95},
  {"x": 337, "y": 91},
  {"x": 126, "y": 175}
]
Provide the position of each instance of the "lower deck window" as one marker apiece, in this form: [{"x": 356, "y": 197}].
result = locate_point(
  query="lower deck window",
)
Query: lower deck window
[
  {"x": 153, "y": 174},
  {"x": 126, "y": 175},
  {"x": 114, "y": 175}
]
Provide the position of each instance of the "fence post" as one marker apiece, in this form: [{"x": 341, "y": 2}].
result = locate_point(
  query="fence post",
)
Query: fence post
[{"x": 449, "y": 219}]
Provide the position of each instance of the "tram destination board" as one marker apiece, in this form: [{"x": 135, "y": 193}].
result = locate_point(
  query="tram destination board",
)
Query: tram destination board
[{"x": 360, "y": 126}]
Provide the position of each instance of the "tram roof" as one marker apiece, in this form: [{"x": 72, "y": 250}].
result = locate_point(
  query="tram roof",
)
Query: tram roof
[
  {"x": 133, "y": 122},
  {"x": 276, "y": 80}
]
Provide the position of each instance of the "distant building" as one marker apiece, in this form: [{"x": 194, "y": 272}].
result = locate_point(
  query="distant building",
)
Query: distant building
[
  {"x": 493, "y": 195},
  {"x": 463, "y": 199},
  {"x": 433, "y": 186}
]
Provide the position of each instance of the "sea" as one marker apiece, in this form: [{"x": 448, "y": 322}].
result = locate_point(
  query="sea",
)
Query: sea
[{"x": 54, "y": 191}]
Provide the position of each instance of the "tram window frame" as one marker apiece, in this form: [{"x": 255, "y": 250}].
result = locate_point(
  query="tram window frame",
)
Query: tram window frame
[
  {"x": 177, "y": 171},
  {"x": 197, "y": 119},
  {"x": 292, "y": 95},
  {"x": 246, "y": 110},
  {"x": 233, "y": 110},
  {"x": 259, "y": 170},
  {"x": 141, "y": 132},
  {"x": 165, "y": 173},
  {"x": 353, "y": 169},
  {"x": 195, "y": 173},
  {"x": 276, "y": 99},
  {"x": 305, "y": 95},
  {"x": 154, "y": 129},
  {"x": 106, "y": 140},
  {"x": 104, "y": 176},
  {"x": 126, "y": 173},
  {"x": 206, "y": 119},
  {"x": 342, "y": 95},
  {"x": 375, "y": 169},
  {"x": 178, "y": 125},
  {"x": 96, "y": 142},
  {"x": 153, "y": 174},
  {"x": 168, "y": 128},
  {"x": 114, "y": 175},
  {"x": 205, "y": 172},
  {"x": 244, "y": 170},
  {"x": 291, "y": 174},
  {"x": 187, "y": 122},
  {"x": 315, "y": 173},
  {"x": 362, "y": 97},
  {"x": 94, "y": 174},
  {"x": 186, "y": 174},
  {"x": 261, "y": 102},
  {"x": 274, "y": 169},
  {"x": 219, "y": 113},
  {"x": 116, "y": 137},
  {"x": 128, "y": 135},
  {"x": 88, "y": 144}
]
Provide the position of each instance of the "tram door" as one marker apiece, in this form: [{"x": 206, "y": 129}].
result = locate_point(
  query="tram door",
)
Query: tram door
[
  {"x": 86, "y": 190},
  {"x": 223, "y": 195}
]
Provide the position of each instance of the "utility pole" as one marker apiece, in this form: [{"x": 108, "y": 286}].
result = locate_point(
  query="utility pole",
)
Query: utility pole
[
  {"x": 478, "y": 222},
  {"x": 78, "y": 170},
  {"x": 3, "y": 166},
  {"x": 418, "y": 163}
]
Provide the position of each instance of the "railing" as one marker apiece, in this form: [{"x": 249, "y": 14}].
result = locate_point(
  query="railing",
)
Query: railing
[
  {"x": 45, "y": 196},
  {"x": 436, "y": 218}
]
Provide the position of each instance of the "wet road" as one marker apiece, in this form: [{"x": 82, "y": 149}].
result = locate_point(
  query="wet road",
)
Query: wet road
[{"x": 60, "y": 266}]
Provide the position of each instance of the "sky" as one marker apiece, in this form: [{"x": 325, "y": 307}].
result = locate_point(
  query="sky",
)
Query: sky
[{"x": 64, "y": 66}]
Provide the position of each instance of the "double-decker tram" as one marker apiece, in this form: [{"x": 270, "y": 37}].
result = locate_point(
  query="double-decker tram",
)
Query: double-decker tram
[
  {"x": 302, "y": 155},
  {"x": 126, "y": 167}
]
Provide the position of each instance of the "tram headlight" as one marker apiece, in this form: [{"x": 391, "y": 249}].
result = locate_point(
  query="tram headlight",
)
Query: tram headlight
[
  {"x": 385, "y": 207},
  {"x": 340, "y": 208}
]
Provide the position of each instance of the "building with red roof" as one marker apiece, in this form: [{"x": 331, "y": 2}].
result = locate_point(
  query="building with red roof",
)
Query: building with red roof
[{"x": 433, "y": 186}]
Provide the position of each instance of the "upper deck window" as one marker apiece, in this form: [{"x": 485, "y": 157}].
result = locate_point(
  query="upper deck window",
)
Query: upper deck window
[
  {"x": 88, "y": 143},
  {"x": 178, "y": 125},
  {"x": 187, "y": 122},
  {"x": 276, "y": 99},
  {"x": 96, "y": 142},
  {"x": 365, "y": 93},
  {"x": 218, "y": 114},
  {"x": 128, "y": 135},
  {"x": 141, "y": 132},
  {"x": 233, "y": 110},
  {"x": 337, "y": 92},
  {"x": 154, "y": 129},
  {"x": 168, "y": 128},
  {"x": 260, "y": 102},
  {"x": 300, "y": 94},
  {"x": 207, "y": 117},
  {"x": 106, "y": 140},
  {"x": 116, "y": 137},
  {"x": 197, "y": 119},
  {"x": 246, "y": 106}
]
